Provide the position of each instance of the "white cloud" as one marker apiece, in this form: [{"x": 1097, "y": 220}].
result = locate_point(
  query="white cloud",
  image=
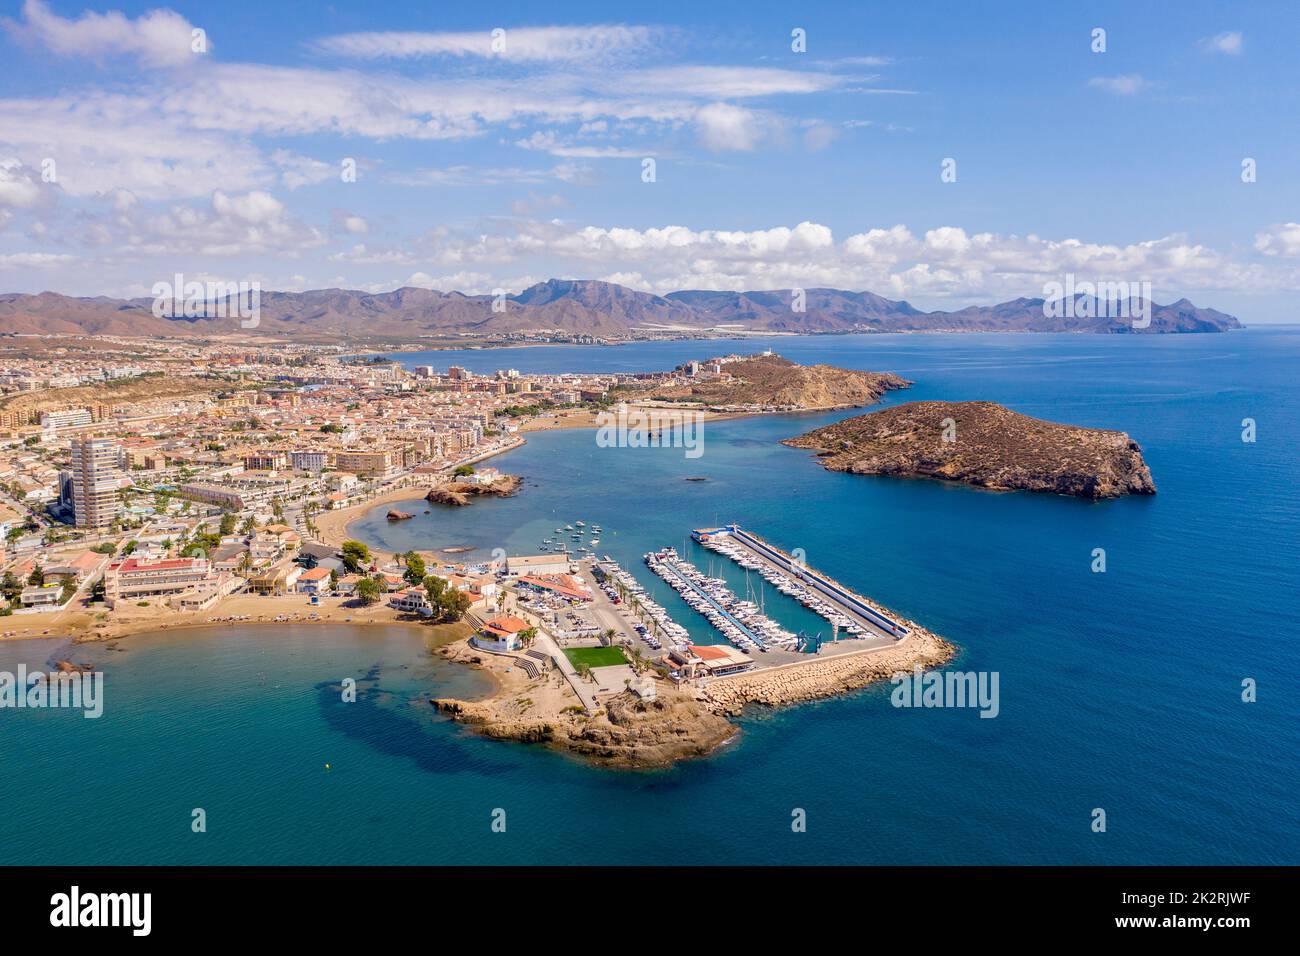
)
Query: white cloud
[
  {"x": 1228, "y": 42},
  {"x": 20, "y": 187},
  {"x": 1127, "y": 85},
  {"x": 528, "y": 44},
  {"x": 723, "y": 126},
  {"x": 158, "y": 38},
  {"x": 550, "y": 143},
  {"x": 946, "y": 262},
  {"x": 1281, "y": 240},
  {"x": 35, "y": 260}
]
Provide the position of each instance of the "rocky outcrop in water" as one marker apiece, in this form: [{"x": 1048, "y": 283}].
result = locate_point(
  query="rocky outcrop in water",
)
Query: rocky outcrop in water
[
  {"x": 461, "y": 493},
  {"x": 983, "y": 444}
]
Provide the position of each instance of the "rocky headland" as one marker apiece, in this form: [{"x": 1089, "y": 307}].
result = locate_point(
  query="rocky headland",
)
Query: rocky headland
[
  {"x": 770, "y": 381},
  {"x": 680, "y": 722}
]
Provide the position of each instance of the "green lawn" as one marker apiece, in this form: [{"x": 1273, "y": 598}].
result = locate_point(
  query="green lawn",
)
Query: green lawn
[{"x": 594, "y": 656}]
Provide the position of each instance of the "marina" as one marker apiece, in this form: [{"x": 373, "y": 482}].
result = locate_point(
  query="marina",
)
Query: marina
[
  {"x": 740, "y": 621},
  {"x": 843, "y": 609}
]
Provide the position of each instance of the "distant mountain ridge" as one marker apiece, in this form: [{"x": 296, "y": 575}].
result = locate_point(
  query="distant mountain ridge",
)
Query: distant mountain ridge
[{"x": 582, "y": 307}]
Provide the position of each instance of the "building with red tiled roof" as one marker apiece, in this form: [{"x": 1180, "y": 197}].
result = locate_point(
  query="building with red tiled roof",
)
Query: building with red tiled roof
[
  {"x": 134, "y": 580},
  {"x": 500, "y": 633},
  {"x": 564, "y": 585}
]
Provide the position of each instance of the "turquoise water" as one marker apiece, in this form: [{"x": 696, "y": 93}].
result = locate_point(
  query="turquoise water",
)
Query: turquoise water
[{"x": 1119, "y": 690}]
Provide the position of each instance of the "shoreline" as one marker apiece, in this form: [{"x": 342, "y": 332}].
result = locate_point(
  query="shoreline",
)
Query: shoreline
[
  {"x": 85, "y": 626},
  {"x": 332, "y": 525},
  {"x": 679, "y": 723}
]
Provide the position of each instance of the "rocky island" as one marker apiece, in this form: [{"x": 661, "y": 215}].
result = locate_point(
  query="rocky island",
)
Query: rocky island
[
  {"x": 983, "y": 444},
  {"x": 460, "y": 493}
]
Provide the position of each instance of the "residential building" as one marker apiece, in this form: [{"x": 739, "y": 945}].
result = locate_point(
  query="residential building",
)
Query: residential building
[
  {"x": 135, "y": 580},
  {"x": 95, "y": 476}
]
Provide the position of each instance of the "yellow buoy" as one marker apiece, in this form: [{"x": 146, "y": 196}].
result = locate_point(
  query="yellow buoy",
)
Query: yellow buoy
[{"x": 327, "y": 766}]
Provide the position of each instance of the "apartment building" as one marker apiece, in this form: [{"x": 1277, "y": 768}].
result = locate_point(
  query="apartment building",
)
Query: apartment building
[
  {"x": 95, "y": 474},
  {"x": 135, "y": 580}
]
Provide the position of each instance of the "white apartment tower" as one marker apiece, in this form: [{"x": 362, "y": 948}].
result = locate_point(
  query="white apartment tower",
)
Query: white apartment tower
[{"x": 95, "y": 474}]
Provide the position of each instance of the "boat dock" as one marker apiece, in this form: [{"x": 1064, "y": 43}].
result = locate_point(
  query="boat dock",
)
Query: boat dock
[
  {"x": 845, "y": 610},
  {"x": 740, "y": 622}
]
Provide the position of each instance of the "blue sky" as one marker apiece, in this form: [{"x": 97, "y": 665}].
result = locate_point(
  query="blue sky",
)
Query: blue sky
[{"x": 126, "y": 156}]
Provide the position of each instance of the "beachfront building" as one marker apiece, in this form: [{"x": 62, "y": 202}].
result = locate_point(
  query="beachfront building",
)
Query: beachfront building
[
  {"x": 95, "y": 475},
  {"x": 358, "y": 462},
  {"x": 538, "y": 564},
  {"x": 414, "y": 600},
  {"x": 315, "y": 581},
  {"x": 500, "y": 634},
  {"x": 563, "y": 586},
  {"x": 277, "y": 580},
  {"x": 695, "y": 661},
  {"x": 41, "y": 597},
  {"x": 136, "y": 580}
]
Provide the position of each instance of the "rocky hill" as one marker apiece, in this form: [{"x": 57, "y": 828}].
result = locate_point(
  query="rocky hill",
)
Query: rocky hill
[
  {"x": 984, "y": 444},
  {"x": 776, "y": 381},
  {"x": 585, "y": 307},
  {"x": 127, "y": 391}
]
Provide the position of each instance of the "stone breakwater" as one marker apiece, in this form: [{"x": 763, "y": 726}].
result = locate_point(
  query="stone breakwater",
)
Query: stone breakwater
[{"x": 838, "y": 674}]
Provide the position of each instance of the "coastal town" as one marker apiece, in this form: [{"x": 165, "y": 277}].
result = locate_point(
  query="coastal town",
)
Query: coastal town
[{"x": 153, "y": 486}]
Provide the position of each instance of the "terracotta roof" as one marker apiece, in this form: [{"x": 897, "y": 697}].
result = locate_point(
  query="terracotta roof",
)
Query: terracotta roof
[{"x": 707, "y": 652}]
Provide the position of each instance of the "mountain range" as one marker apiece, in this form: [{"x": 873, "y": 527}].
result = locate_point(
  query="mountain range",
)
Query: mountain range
[{"x": 581, "y": 307}]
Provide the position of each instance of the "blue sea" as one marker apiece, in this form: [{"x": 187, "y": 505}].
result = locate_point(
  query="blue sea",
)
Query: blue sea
[{"x": 1119, "y": 691}]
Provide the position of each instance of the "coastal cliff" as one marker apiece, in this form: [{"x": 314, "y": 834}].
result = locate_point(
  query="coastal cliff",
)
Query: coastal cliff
[
  {"x": 983, "y": 444},
  {"x": 626, "y": 732}
]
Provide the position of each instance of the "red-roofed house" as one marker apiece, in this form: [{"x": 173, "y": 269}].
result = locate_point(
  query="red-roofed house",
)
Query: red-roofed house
[
  {"x": 564, "y": 585},
  {"x": 315, "y": 581},
  {"x": 500, "y": 634}
]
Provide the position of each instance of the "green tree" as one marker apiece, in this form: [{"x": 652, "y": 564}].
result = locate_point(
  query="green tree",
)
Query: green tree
[
  {"x": 227, "y": 523},
  {"x": 37, "y": 577},
  {"x": 455, "y": 604},
  {"x": 355, "y": 555},
  {"x": 434, "y": 586},
  {"x": 369, "y": 591},
  {"x": 415, "y": 569},
  {"x": 10, "y": 586},
  {"x": 463, "y": 471}
]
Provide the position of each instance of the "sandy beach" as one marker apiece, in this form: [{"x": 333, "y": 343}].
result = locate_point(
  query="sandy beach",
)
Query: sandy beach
[
  {"x": 96, "y": 624},
  {"x": 332, "y": 526}
]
